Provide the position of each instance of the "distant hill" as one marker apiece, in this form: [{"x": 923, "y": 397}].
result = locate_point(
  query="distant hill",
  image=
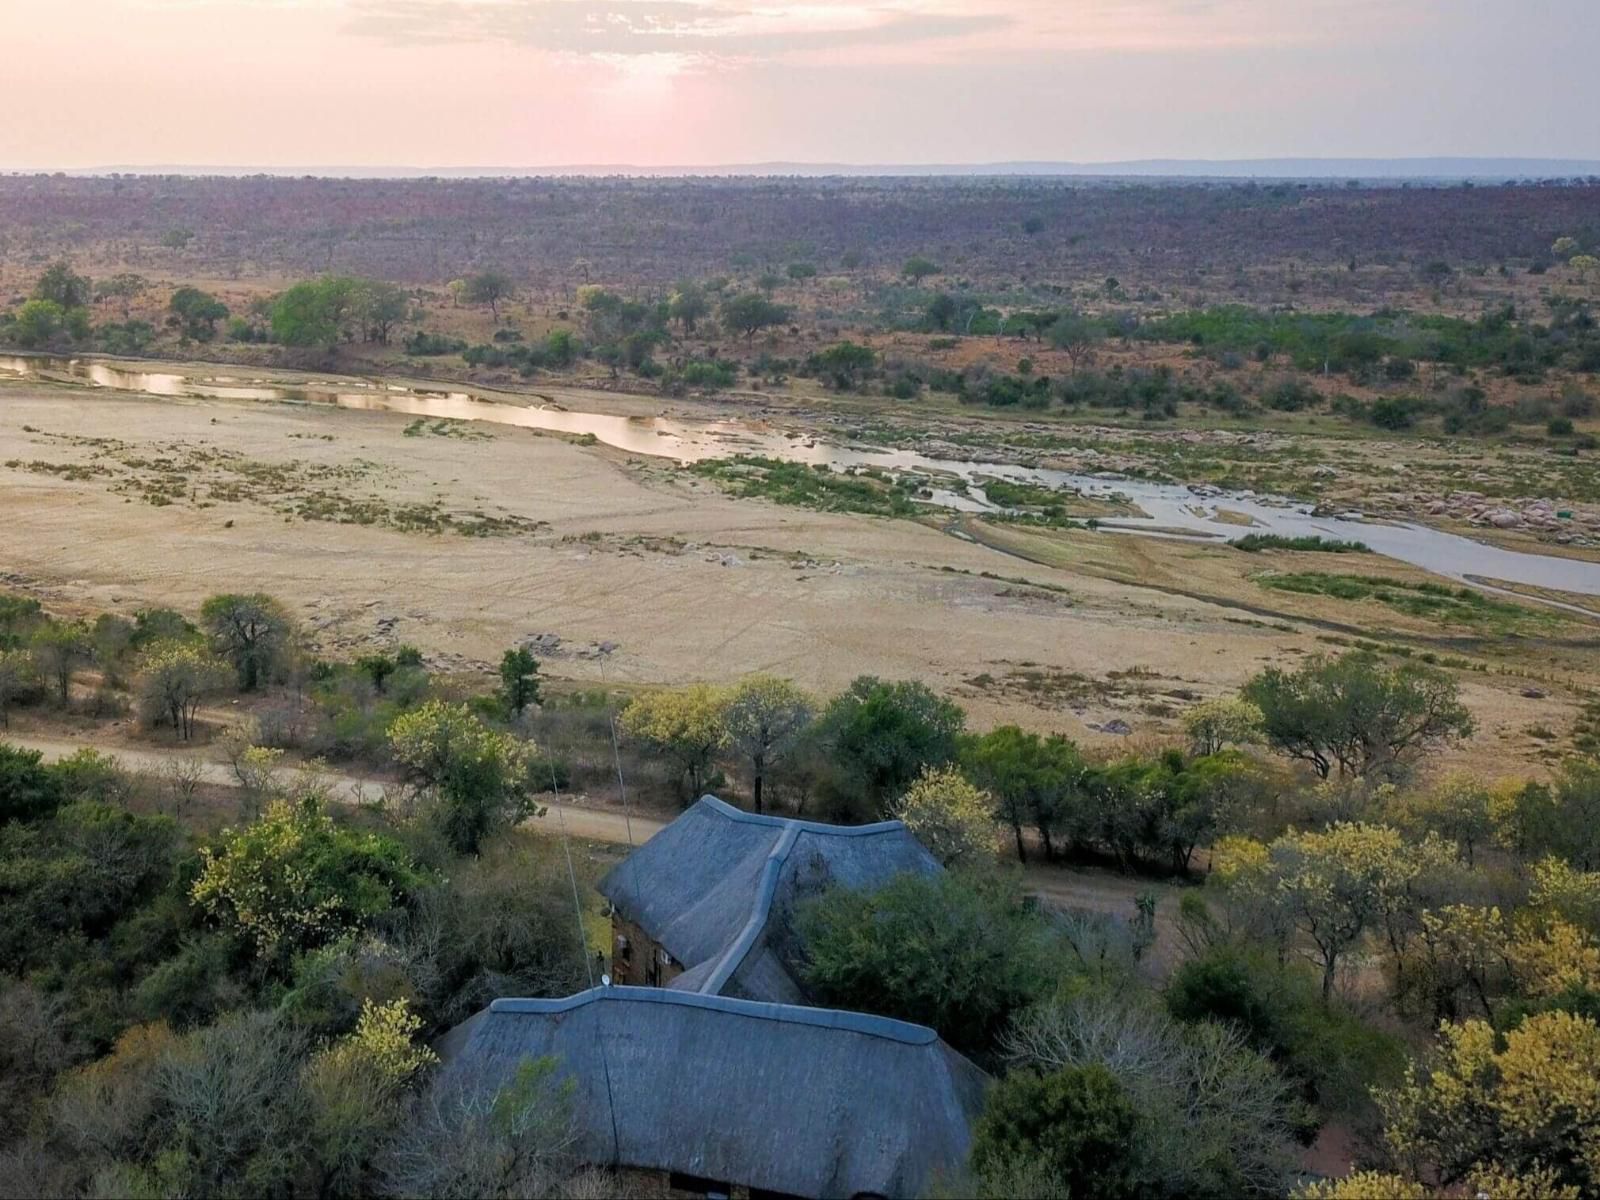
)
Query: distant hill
[{"x": 1365, "y": 169}]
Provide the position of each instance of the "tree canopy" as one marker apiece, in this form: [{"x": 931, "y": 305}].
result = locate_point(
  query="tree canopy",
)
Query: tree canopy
[{"x": 1356, "y": 716}]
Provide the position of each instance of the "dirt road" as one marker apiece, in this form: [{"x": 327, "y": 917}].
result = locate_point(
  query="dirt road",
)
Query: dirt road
[{"x": 591, "y": 824}]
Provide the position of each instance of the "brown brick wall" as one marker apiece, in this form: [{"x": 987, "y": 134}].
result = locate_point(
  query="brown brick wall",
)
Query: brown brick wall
[{"x": 634, "y": 953}]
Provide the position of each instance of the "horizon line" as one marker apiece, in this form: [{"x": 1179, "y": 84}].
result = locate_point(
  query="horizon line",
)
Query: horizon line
[{"x": 1276, "y": 166}]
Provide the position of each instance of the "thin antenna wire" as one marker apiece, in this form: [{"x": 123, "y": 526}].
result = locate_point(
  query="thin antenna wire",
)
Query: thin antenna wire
[
  {"x": 583, "y": 949},
  {"x": 572, "y": 874},
  {"x": 616, "y": 753}
]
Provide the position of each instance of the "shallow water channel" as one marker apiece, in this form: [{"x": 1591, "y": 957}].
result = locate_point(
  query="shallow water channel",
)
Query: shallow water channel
[{"x": 1170, "y": 509}]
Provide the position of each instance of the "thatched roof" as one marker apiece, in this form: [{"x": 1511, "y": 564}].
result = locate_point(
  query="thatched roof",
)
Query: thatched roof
[
  {"x": 716, "y": 888},
  {"x": 806, "y": 1101}
]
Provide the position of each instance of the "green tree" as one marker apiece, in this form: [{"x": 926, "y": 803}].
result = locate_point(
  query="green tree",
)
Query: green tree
[
  {"x": 252, "y": 631},
  {"x": 37, "y": 323},
  {"x": 1035, "y": 781},
  {"x": 1568, "y": 824},
  {"x": 879, "y": 737},
  {"x": 800, "y": 272},
  {"x": 688, "y": 305},
  {"x": 918, "y": 268},
  {"x": 17, "y": 678},
  {"x": 61, "y": 286},
  {"x": 941, "y": 311},
  {"x": 199, "y": 311},
  {"x": 1077, "y": 1123},
  {"x": 686, "y": 725},
  {"x": 844, "y": 364},
  {"x": 59, "y": 649},
  {"x": 765, "y": 718},
  {"x": 488, "y": 287},
  {"x": 28, "y": 789},
  {"x": 519, "y": 679},
  {"x": 750, "y": 313},
  {"x": 377, "y": 306},
  {"x": 314, "y": 313},
  {"x": 475, "y": 779},
  {"x": 956, "y": 952},
  {"x": 1357, "y": 715}
]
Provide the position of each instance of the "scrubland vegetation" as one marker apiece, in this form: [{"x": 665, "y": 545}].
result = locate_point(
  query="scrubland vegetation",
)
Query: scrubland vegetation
[
  {"x": 244, "y": 999},
  {"x": 1315, "y": 959}
]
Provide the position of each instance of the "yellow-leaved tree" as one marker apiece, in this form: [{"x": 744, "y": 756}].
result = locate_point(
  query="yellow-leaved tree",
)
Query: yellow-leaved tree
[
  {"x": 950, "y": 816},
  {"x": 1525, "y": 1106},
  {"x": 686, "y": 725}
]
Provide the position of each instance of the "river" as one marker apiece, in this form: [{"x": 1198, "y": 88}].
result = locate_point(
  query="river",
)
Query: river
[{"x": 1167, "y": 508}]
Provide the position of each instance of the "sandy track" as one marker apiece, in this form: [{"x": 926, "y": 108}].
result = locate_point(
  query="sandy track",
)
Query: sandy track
[
  {"x": 590, "y": 824},
  {"x": 1094, "y": 891}
]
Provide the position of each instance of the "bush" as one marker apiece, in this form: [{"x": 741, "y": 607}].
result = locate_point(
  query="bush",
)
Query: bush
[
  {"x": 1328, "y": 1051},
  {"x": 957, "y": 953},
  {"x": 295, "y": 880},
  {"x": 1077, "y": 1124},
  {"x": 1390, "y": 412},
  {"x": 29, "y": 791},
  {"x": 431, "y": 345}
]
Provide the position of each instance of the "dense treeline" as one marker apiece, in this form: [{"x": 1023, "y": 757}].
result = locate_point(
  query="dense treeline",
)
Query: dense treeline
[{"x": 657, "y": 231}]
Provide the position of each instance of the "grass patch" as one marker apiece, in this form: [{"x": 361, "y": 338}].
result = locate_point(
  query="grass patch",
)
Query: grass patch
[
  {"x": 1256, "y": 542},
  {"x": 873, "y": 492},
  {"x": 443, "y": 427},
  {"x": 1435, "y": 601},
  {"x": 1586, "y": 730},
  {"x": 1009, "y": 494}
]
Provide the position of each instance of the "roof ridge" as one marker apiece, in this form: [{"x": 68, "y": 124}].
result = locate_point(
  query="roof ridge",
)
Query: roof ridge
[
  {"x": 734, "y": 955},
  {"x": 723, "y": 809},
  {"x": 867, "y": 1024}
]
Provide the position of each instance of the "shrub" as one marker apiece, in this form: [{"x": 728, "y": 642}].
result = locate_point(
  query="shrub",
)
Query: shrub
[
  {"x": 295, "y": 880},
  {"x": 474, "y": 778},
  {"x": 28, "y": 790},
  {"x": 1078, "y": 1124},
  {"x": 1328, "y": 1051},
  {"x": 953, "y": 952}
]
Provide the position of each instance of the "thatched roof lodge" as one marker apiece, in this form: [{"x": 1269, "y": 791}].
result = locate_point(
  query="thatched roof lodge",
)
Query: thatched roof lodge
[
  {"x": 704, "y": 905},
  {"x": 771, "y": 1099}
]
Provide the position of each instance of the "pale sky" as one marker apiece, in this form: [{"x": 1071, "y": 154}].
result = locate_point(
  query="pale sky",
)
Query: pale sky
[{"x": 450, "y": 83}]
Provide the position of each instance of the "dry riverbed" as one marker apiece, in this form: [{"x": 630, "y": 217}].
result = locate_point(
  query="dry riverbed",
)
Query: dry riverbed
[{"x": 463, "y": 538}]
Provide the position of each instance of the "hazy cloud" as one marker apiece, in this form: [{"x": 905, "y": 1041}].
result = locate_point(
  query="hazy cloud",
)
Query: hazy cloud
[{"x": 683, "y": 28}]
